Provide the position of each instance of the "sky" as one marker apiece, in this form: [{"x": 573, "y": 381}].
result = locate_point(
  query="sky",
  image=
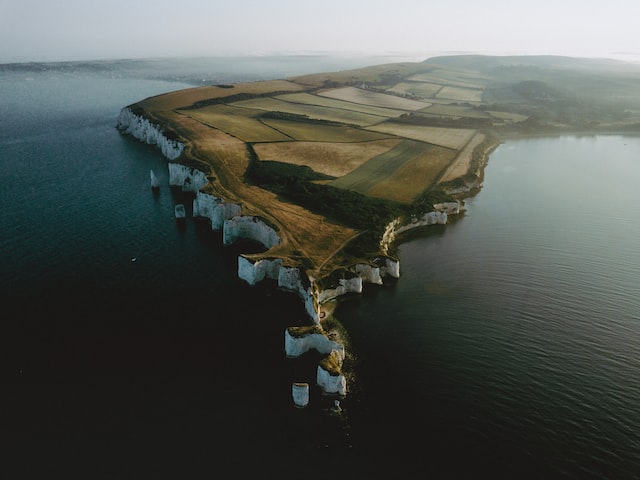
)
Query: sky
[{"x": 61, "y": 30}]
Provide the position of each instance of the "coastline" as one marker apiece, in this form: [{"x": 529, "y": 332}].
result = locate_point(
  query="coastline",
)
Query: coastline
[
  {"x": 233, "y": 224},
  {"x": 320, "y": 300}
]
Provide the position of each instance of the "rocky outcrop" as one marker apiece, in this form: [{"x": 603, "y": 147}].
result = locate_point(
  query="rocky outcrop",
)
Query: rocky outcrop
[
  {"x": 296, "y": 280},
  {"x": 389, "y": 267},
  {"x": 215, "y": 209},
  {"x": 430, "y": 218},
  {"x": 369, "y": 273},
  {"x": 329, "y": 375},
  {"x": 147, "y": 132},
  {"x": 254, "y": 272},
  {"x": 331, "y": 383},
  {"x": 189, "y": 179},
  {"x": 450, "y": 208},
  {"x": 438, "y": 216},
  {"x": 299, "y": 340},
  {"x": 154, "y": 180},
  {"x": 300, "y": 394},
  {"x": 345, "y": 285},
  {"x": 389, "y": 235},
  {"x": 249, "y": 227},
  {"x": 353, "y": 280}
]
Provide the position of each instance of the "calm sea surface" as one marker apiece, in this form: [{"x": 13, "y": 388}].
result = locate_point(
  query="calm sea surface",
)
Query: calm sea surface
[{"x": 509, "y": 346}]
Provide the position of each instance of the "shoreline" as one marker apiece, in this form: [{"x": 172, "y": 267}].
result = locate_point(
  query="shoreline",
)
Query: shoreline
[{"x": 332, "y": 339}]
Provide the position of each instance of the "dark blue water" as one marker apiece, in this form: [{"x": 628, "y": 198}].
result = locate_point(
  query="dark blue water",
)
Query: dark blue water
[
  {"x": 509, "y": 345},
  {"x": 113, "y": 368},
  {"x": 513, "y": 334}
]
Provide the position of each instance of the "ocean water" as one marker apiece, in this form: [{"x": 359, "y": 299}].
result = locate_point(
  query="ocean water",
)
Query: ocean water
[
  {"x": 513, "y": 335},
  {"x": 509, "y": 346}
]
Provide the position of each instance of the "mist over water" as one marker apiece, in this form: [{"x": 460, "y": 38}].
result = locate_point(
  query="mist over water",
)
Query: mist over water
[{"x": 510, "y": 345}]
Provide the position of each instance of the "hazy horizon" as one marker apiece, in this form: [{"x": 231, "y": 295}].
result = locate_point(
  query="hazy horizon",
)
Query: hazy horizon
[{"x": 74, "y": 30}]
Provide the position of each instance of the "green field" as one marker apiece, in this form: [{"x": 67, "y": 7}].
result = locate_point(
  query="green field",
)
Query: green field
[
  {"x": 419, "y": 89},
  {"x": 414, "y": 176},
  {"x": 451, "y": 77},
  {"x": 450, "y": 110},
  {"x": 239, "y": 122},
  {"x": 380, "y": 167},
  {"x": 317, "y": 132},
  {"x": 347, "y": 117},
  {"x": 459, "y": 94},
  {"x": 309, "y": 99},
  {"x": 508, "y": 116},
  {"x": 366, "y": 97},
  {"x": 330, "y": 158},
  {"x": 455, "y": 138}
]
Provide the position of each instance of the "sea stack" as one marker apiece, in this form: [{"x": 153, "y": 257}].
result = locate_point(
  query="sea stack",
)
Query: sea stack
[
  {"x": 154, "y": 181},
  {"x": 180, "y": 212},
  {"x": 300, "y": 393}
]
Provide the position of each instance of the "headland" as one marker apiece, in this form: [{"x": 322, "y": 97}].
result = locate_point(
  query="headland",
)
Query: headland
[{"x": 328, "y": 171}]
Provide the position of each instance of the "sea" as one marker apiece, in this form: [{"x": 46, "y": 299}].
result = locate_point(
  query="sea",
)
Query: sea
[{"x": 508, "y": 348}]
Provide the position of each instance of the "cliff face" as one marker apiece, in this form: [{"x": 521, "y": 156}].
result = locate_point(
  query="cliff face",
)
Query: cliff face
[
  {"x": 147, "y": 132},
  {"x": 329, "y": 376},
  {"x": 250, "y": 227},
  {"x": 227, "y": 217},
  {"x": 187, "y": 178},
  {"x": 215, "y": 209},
  {"x": 256, "y": 272}
]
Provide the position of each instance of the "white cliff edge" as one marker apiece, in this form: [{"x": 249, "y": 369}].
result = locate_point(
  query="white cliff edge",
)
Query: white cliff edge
[
  {"x": 189, "y": 179},
  {"x": 142, "y": 129},
  {"x": 438, "y": 216},
  {"x": 249, "y": 227},
  {"x": 331, "y": 383},
  {"x": 215, "y": 209},
  {"x": 299, "y": 340}
]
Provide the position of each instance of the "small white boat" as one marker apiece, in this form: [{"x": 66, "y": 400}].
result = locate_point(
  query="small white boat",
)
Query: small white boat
[
  {"x": 154, "y": 180},
  {"x": 180, "y": 211}
]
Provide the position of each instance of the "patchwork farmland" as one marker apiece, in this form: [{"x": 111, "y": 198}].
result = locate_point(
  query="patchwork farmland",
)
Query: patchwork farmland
[
  {"x": 352, "y": 132},
  {"x": 396, "y": 133}
]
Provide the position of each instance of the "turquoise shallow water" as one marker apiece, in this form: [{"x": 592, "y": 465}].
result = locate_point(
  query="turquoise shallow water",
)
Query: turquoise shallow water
[{"x": 508, "y": 346}]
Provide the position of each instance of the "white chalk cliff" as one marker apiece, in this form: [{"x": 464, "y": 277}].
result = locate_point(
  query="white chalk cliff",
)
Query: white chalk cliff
[
  {"x": 189, "y": 179},
  {"x": 215, "y": 209},
  {"x": 344, "y": 286},
  {"x": 249, "y": 227},
  {"x": 296, "y": 344},
  {"x": 254, "y": 272},
  {"x": 331, "y": 383},
  {"x": 147, "y": 132},
  {"x": 329, "y": 378}
]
